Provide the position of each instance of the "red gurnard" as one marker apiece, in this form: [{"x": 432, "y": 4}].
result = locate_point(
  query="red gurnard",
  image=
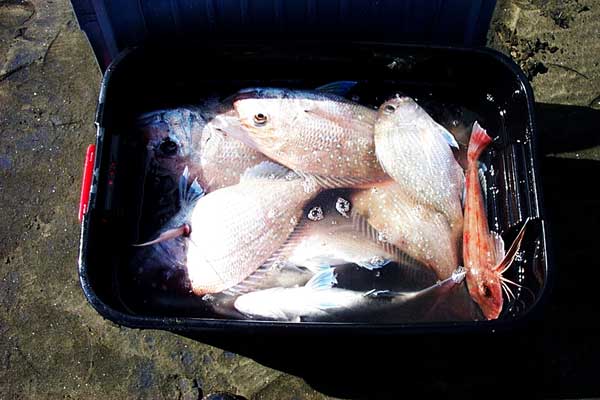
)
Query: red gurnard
[{"x": 483, "y": 250}]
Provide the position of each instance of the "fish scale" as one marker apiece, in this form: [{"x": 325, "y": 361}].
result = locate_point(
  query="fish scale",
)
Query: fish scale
[
  {"x": 232, "y": 232},
  {"x": 417, "y": 230}
]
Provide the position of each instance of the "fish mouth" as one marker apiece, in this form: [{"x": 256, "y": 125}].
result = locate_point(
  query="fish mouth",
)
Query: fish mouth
[{"x": 230, "y": 125}]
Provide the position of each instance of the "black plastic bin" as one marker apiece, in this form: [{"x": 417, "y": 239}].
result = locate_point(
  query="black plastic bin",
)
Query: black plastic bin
[{"x": 157, "y": 76}]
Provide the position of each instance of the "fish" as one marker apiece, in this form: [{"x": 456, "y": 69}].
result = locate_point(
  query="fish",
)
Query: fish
[
  {"x": 339, "y": 236},
  {"x": 416, "y": 230},
  {"x": 269, "y": 275},
  {"x": 185, "y": 137},
  {"x": 234, "y": 230},
  {"x": 484, "y": 253},
  {"x": 319, "y": 300},
  {"x": 309, "y": 131},
  {"x": 162, "y": 261},
  {"x": 416, "y": 152}
]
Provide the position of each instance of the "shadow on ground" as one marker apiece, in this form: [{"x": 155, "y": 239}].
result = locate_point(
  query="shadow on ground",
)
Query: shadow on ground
[{"x": 554, "y": 353}]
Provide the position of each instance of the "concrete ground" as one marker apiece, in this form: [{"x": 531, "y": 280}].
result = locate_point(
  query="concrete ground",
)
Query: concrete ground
[{"x": 54, "y": 345}]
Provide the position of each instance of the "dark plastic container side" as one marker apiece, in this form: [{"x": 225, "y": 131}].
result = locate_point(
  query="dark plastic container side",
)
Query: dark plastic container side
[{"x": 113, "y": 26}]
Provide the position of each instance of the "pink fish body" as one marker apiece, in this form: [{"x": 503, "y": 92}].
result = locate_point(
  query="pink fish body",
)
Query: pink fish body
[{"x": 483, "y": 250}]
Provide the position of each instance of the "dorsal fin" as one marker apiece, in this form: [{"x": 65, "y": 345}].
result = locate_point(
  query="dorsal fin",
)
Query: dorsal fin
[
  {"x": 276, "y": 260},
  {"x": 363, "y": 226},
  {"x": 270, "y": 268},
  {"x": 336, "y": 182},
  {"x": 323, "y": 280},
  {"x": 341, "y": 88},
  {"x": 411, "y": 266},
  {"x": 298, "y": 235}
]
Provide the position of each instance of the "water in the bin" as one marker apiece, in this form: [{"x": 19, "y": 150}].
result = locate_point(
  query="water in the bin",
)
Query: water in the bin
[{"x": 283, "y": 240}]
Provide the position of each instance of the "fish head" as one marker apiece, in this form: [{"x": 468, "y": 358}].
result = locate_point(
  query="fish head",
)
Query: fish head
[
  {"x": 485, "y": 288},
  {"x": 397, "y": 111},
  {"x": 169, "y": 133},
  {"x": 262, "y": 113}
]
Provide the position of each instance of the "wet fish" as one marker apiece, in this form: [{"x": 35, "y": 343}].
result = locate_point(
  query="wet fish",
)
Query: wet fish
[
  {"x": 416, "y": 151},
  {"x": 185, "y": 137},
  {"x": 233, "y": 231},
  {"x": 271, "y": 274},
  {"x": 318, "y": 300},
  {"x": 483, "y": 250},
  {"x": 311, "y": 132},
  {"x": 162, "y": 261},
  {"x": 342, "y": 237},
  {"x": 419, "y": 231},
  {"x": 236, "y": 229}
]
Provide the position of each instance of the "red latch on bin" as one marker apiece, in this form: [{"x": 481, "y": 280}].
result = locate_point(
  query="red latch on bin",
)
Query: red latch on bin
[{"x": 86, "y": 180}]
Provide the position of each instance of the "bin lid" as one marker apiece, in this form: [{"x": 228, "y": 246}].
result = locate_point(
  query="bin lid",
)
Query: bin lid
[{"x": 113, "y": 25}]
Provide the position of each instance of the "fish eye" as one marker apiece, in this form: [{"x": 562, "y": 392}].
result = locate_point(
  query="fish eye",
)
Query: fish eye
[
  {"x": 260, "y": 119},
  {"x": 487, "y": 292},
  {"x": 168, "y": 147},
  {"x": 389, "y": 108}
]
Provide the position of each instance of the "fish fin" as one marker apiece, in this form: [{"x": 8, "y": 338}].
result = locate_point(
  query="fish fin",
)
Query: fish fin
[
  {"x": 189, "y": 195},
  {"x": 483, "y": 181},
  {"x": 381, "y": 294},
  {"x": 455, "y": 279},
  {"x": 322, "y": 280},
  {"x": 341, "y": 88},
  {"x": 412, "y": 268},
  {"x": 298, "y": 234},
  {"x": 512, "y": 251},
  {"x": 363, "y": 226},
  {"x": 268, "y": 170},
  {"x": 183, "y": 182},
  {"x": 251, "y": 282},
  {"x": 459, "y": 274},
  {"x": 276, "y": 260},
  {"x": 166, "y": 235},
  {"x": 373, "y": 265},
  {"x": 499, "y": 248},
  {"x": 448, "y": 137},
  {"x": 478, "y": 142}
]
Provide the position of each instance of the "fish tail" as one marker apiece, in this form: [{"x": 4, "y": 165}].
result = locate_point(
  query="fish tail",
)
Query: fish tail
[{"x": 478, "y": 142}]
